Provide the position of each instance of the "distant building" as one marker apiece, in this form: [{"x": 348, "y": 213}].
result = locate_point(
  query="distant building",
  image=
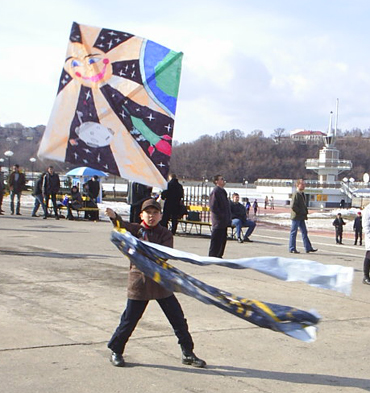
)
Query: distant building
[{"x": 306, "y": 136}]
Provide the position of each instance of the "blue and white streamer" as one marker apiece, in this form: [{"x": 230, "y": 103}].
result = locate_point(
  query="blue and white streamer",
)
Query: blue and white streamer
[{"x": 152, "y": 260}]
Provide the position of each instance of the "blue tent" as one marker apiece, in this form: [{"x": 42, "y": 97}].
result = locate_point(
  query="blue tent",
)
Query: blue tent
[
  {"x": 82, "y": 174},
  {"x": 86, "y": 172}
]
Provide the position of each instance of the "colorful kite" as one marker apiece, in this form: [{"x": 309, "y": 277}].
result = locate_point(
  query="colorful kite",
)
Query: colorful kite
[
  {"x": 152, "y": 260},
  {"x": 115, "y": 105}
]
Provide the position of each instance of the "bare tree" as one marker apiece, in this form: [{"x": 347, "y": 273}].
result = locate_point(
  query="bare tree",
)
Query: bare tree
[{"x": 278, "y": 133}]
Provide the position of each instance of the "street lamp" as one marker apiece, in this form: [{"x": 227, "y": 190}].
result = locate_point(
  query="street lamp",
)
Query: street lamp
[
  {"x": 8, "y": 154},
  {"x": 33, "y": 160},
  {"x": 347, "y": 182}
]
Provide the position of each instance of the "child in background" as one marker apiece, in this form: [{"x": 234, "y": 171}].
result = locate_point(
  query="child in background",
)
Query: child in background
[{"x": 338, "y": 223}]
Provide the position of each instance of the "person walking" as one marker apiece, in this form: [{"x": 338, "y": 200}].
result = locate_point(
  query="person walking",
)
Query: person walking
[
  {"x": 239, "y": 219},
  {"x": 172, "y": 203},
  {"x": 247, "y": 207},
  {"x": 357, "y": 227},
  {"x": 39, "y": 199},
  {"x": 16, "y": 183},
  {"x": 298, "y": 215},
  {"x": 220, "y": 217},
  {"x": 2, "y": 187},
  {"x": 50, "y": 188},
  {"x": 339, "y": 223},
  {"x": 272, "y": 203},
  {"x": 255, "y": 207},
  {"x": 366, "y": 228},
  {"x": 142, "y": 289}
]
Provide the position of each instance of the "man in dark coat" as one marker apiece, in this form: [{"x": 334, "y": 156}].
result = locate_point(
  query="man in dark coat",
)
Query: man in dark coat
[
  {"x": 141, "y": 289},
  {"x": 357, "y": 227},
  {"x": 220, "y": 217},
  {"x": 138, "y": 193},
  {"x": 50, "y": 189},
  {"x": 16, "y": 183},
  {"x": 93, "y": 188},
  {"x": 298, "y": 215},
  {"x": 172, "y": 202},
  {"x": 37, "y": 194}
]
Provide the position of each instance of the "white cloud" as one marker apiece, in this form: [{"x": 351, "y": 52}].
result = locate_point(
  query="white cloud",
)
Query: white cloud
[{"x": 247, "y": 65}]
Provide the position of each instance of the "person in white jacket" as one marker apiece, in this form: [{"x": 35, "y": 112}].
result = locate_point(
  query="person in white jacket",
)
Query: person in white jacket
[{"x": 366, "y": 230}]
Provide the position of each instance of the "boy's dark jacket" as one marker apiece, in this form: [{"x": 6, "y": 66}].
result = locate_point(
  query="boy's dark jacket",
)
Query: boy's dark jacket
[{"x": 140, "y": 287}]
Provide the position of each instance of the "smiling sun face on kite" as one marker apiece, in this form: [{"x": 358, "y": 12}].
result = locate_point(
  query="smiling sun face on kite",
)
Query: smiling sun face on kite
[{"x": 89, "y": 69}]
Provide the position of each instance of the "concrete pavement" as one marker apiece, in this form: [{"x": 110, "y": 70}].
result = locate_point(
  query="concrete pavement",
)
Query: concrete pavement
[{"x": 62, "y": 290}]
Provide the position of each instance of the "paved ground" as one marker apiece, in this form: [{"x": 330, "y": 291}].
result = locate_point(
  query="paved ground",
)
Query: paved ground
[{"x": 62, "y": 289}]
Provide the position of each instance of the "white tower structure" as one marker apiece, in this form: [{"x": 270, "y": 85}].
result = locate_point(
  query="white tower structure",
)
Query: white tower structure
[{"x": 329, "y": 166}]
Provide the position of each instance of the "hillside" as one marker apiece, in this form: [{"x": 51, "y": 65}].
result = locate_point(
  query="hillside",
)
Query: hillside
[{"x": 237, "y": 156}]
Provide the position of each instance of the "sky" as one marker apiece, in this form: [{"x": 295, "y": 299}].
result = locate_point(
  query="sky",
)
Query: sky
[{"x": 248, "y": 64}]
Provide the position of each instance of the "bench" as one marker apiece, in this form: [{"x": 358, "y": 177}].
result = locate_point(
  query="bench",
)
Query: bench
[
  {"x": 81, "y": 209},
  {"x": 61, "y": 206},
  {"x": 199, "y": 217},
  {"x": 185, "y": 224}
]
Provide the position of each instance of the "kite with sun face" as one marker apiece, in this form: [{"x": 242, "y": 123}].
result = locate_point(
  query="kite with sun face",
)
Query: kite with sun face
[{"x": 115, "y": 105}]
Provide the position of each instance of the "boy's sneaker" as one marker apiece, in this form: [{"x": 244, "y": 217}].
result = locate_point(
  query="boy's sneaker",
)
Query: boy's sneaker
[
  {"x": 117, "y": 360},
  {"x": 191, "y": 360}
]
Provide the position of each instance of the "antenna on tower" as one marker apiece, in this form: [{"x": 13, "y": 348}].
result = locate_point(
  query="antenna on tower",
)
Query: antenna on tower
[{"x": 336, "y": 118}]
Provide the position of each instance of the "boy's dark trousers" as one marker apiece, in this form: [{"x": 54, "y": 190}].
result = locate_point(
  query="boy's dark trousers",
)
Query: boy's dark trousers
[
  {"x": 134, "y": 311},
  {"x": 338, "y": 234}
]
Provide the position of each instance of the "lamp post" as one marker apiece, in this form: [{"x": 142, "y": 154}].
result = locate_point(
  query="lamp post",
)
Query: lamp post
[
  {"x": 345, "y": 180},
  {"x": 33, "y": 160},
  {"x": 8, "y": 154}
]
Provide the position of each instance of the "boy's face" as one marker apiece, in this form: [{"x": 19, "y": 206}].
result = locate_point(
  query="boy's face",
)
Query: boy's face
[{"x": 151, "y": 216}]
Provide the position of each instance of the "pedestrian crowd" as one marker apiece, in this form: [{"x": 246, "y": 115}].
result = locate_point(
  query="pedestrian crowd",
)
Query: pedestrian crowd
[{"x": 46, "y": 188}]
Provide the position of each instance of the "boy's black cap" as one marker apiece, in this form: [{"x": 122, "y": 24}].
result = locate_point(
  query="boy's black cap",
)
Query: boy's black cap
[{"x": 151, "y": 203}]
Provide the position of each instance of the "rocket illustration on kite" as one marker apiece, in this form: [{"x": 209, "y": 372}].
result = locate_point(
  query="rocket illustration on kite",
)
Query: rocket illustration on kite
[{"x": 115, "y": 105}]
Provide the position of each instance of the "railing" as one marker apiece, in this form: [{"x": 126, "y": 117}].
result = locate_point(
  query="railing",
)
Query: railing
[
  {"x": 197, "y": 195},
  {"x": 314, "y": 163}
]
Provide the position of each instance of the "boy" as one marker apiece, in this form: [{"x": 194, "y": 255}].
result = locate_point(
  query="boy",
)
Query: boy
[
  {"x": 338, "y": 223},
  {"x": 141, "y": 289}
]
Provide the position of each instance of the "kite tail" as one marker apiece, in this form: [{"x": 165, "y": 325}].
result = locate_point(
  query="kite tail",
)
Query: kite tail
[{"x": 290, "y": 321}]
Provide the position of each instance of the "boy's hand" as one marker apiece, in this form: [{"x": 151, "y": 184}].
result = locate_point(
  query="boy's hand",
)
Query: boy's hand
[{"x": 110, "y": 212}]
